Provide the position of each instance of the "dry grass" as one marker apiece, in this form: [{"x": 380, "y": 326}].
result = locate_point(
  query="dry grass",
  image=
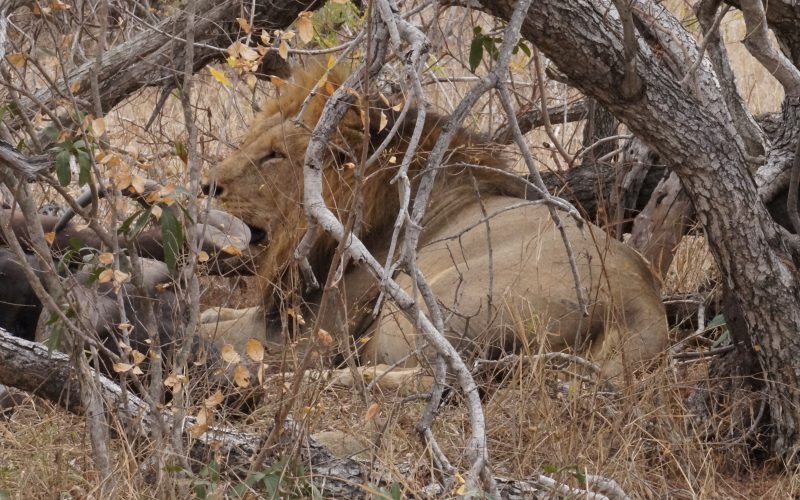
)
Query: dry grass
[{"x": 641, "y": 437}]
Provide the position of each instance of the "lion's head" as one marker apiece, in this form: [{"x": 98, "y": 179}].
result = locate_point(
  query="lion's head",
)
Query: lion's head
[{"x": 262, "y": 182}]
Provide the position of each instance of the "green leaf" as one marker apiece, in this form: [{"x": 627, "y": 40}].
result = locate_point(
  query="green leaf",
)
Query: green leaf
[
  {"x": 524, "y": 48},
  {"x": 62, "y": 167},
  {"x": 271, "y": 484},
  {"x": 141, "y": 221},
  {"x": 201, "y": 489},
  {"x": 172, "y": 234},
  {"x": 181, "y": 151},
  {"x": 55, "y": 342},
  {"x": 396, "y": 492},
  {"x": 126, "y": 224},
  {"x": 550, "y": 469},
  {"x": 475, "y": 52},
  {"x": 491, "y": 46},
  {"x": 579, "y": 476},
  {"x": 51, "y": 133},
  {"x": 84, "y": 174},
  {"x": 719, "y": 320}
]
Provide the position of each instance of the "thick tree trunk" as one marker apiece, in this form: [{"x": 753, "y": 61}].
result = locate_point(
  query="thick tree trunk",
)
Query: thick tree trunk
[
  {"x": 662, "y": 223},
  {"x": 685, "y": 128}
]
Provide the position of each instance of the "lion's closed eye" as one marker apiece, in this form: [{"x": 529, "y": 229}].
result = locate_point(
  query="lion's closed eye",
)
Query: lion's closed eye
[{"x": 272, "y": 155}]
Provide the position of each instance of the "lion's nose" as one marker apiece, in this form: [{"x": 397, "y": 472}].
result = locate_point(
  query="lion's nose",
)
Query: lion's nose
[{"x": 212, "y": 189}]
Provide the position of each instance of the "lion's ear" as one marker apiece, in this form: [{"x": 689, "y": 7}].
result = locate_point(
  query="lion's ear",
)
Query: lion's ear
[{"x": 274, "y": 65}]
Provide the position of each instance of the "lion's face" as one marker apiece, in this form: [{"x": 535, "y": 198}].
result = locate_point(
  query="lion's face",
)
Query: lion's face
[{"x": 262, "y": 181}]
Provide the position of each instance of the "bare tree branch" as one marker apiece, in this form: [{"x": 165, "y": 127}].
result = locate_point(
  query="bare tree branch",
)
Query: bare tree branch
[{"x": 757, "y": 42}]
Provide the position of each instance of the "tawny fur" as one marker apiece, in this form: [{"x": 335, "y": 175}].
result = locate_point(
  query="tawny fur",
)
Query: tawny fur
[{"x": 262, "y": 184}]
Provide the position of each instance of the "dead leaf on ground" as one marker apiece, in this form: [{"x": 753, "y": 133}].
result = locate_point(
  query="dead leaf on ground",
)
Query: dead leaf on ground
[
  {"x": 229, "y": 354},
  {"x": 255, "y": 350}
]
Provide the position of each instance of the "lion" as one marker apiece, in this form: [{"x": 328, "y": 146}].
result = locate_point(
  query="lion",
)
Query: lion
[{"x": 493, "y": 257}]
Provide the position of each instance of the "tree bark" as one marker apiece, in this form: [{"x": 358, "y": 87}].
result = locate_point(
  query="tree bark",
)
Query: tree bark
[
  {"x": 684, "y": 127},
  {"x": 661, "y": 224}
]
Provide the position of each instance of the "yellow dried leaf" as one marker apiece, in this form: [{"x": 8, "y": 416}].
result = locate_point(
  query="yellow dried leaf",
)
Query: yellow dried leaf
[
  {"x": 59, "y": 5},
  {"x": 304, "y": 27},
  {"x": 122, "y": 179},
  {"x": 254, "y": 350},
  {"x": 392, "y": 159},
  {"x": 137, "y": 357},
  {"x": 214, "y": 399},
  {"x": 331, "y": 62},
  {"x": 152, "y": 197},
  {"x": 202, "y": 256},
  {"x": 364, "y": 339},
  {"x": 232, "y": 250},
  {"x": 201, "y": 425},
  {"x": 265, "y": 37},
  {"x": 371, "y": 412},
  {"x": 340, "y": 2},
  {"x": 175, "y": 382},
  {"x": 229, "y": 354},
  {"x": 105, "y": 258},
  {"x": 241, "y": 377},
  {"x": 383, "y": 121},
  {"x": 167, "y": 190},
  {"x": 105, "y": 276},
  {"x": 50, "y": 238},
  {"x": 75, "y": 86},
  {"x": 219, "y": 76},
  {"x": 291, "y": 311},
  {"x": 198, "y": 430},
  {"x": 128, "y": 327},
  {"x": 17, "y": 59},
  {"x": 247, "y": 53},
  {"x": 277, "y": 81},
  {"x": 137, "y": 371},
  {"x": 137, "y": 182},
  {"x": 460, "y": 489},
  {"x": 243, "y": 24},
  {"x": 283, "y": 50},
  {"x": 329, "y": 88},
  {"x": 121, "y": 277},
  {"x": 121, "y": 367},
  {"x": 156, "y": 211},
  {"x": 99, "y": 126},
  {"x": 325, "y": 337}
]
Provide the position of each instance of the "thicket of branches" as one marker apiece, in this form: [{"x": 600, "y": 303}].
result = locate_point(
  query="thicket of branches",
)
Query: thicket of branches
[{"x": 664, "y": 136}]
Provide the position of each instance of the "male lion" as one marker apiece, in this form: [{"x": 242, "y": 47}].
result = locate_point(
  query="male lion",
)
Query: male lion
[{"x": 501, "y": 274}]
